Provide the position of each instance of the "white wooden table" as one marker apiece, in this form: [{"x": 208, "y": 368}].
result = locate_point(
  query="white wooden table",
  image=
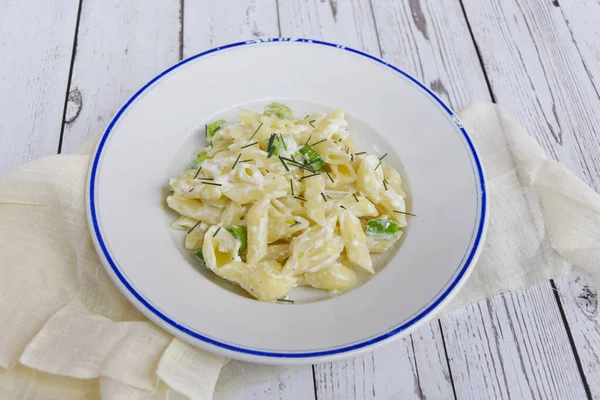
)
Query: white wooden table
[{"x": 67, "y": 65}]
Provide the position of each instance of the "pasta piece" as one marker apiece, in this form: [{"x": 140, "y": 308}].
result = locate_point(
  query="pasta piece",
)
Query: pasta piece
[
  {"x": 219, "y": 248},
  {"x": 278, "y": 252},
  {"x": 343, "y": 173},
  {"x": 194, "y": 209},
  {"x": 243, "y": 193},
  {"x": 393, "y": 178},
  {"x": 315, "y": 204},
  {"x": 258, "y": 220},
  {"x": 195, "y": 237},
  {"x": 378, "y": 245},
  {"x": 369, "y": 178},
  {"x": 184, "y": 223},
  {"x": 194, "y": 189},
  {"x": 361, "y": 208},
  {"x": 248, "y": 173},
  {"x": 249, "y": 117},
  {"x": 279, "y": 210},
  {"x": 234, "y": 214},
  {"x": 264, "y": 283},
  {"x": 355, "y": 241},
  {"x": 332, "y": 153},
  {"x": 334, "y": 277},
  {"x": 285, "y": 227},
  {"x": 394, "y": 204}
]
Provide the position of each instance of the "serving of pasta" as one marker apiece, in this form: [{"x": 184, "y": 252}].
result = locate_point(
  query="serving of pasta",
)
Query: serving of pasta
[{"x": 275, "y": 202}]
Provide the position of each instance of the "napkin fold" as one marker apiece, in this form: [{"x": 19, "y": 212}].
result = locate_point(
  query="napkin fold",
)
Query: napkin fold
[{"x": 67, "y": 332}]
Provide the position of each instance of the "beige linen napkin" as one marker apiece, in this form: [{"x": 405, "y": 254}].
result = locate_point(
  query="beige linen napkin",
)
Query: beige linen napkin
[{"x": 68, "y": 333}]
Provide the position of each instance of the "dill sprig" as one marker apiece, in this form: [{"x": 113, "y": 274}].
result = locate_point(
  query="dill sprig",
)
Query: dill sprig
[
  {"x": 297, "y": 164},
  {"x": 300, "y": 198},
  {"x": 402, "y": 212},
  {"x": 248, "y": 145},
  {"x": 355, "y": 198},
  {"x": 217, "y": 231},
  {"x": 320, "y": 141},
  {"x": 236, "y": 161},
  {"x": 323, "y": 196},
  {"x": 194, "y": 227},
  {"x": 311, "y": 175},
  {"x": 251, "y": 137}
]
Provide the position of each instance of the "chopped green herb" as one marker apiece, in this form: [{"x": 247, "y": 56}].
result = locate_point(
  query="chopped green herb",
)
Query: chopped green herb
[
  {"x": 211, "y": 129},
  {"x": 355, "y": 198},
  {"x": 270, "y": 147},
  {"x": 406, "y": 213},
  {"x": 284, "y": 164},
  {"x": 329, "y": 176},
  {"x": 362, "y": 152},
  {"x": 310, "y": 176},
  {"x": 197, "y": 172},
  {"x": 278, "y": 110},
  {"x": 312, "y": 123},
  {"x": 205, "y": 131},
  {"x": 295, "y": 223},
  {"x": 261, "y": 124},
  {"x": 311, "y": 156},
  {"x": 239, "y": 233},
  {"x": 194, "y": 227},
  {"x": 217, "y": 231},
  {"x": 351, "y": 157},
  {"x": 383, "y": 156},
  {"x": 236, "y": 161},
  {"x": 191, "y": 190},
  {"x": 283, "y": 141},
  {"x": 378, "y": 165},
  {"x": 382, "y": 228},
  {"x": 286, "y": 301},
  {"x": 385, "y": 183},
  {"x": 319, "y": 142},
  {"x": 323, "y": 196},
  {"x": 308, "y": 140},
  {"x": 247, "y": 160},
  {"x": 343, "y": 207},
  {"x": 199, "y": 255},
  {"x": 291, "y": 186},
  {"x": 211, "y": 183},
  {"x": 248, "y": 145},
  {"x": 300, "y": 198}
]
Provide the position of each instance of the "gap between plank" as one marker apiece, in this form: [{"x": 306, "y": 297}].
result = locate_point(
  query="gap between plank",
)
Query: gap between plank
[
  {"x": 485, "y": 75},
  {"x": 73, "y": 53},
  {"x": 447, "y": 359},
  {"x": 586, "y": 386}
]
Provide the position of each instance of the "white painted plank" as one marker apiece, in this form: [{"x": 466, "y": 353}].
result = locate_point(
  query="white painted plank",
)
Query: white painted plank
[
  {"x": 583, "y": 19},
  {"x": 503, "y": 359},
  {"x": 430, "y": 40},
  {"x": 349, "y": 23},
  {"x": 392, "y": 371},
  {"x": 579, "y": 296},
  {"x": 537, "y": 74},
  {"x": 289, "y": 383},
  {"x": 35, "y": 48},
  {"x": 121, "y": 45},
  {"x": 209, "y": 24},
  {"x": 433, "y": 43}
]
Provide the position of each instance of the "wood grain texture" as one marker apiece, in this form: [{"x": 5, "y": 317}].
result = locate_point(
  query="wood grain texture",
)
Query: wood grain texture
[
  {"x": 121, "y": 45},
  {"x": 512, "y": 346},
  {"x": 537, "y": 74},
  {"x": 274, "y": 383},
  {"x": 583, "y": 20},
  {"x": 433, "y": 44},
  {"x": 349, "y": 23},
  {"x": 210, "y": 24},
  {"x": 36, "y": 45},
  {"x": 579, "y": 296}
]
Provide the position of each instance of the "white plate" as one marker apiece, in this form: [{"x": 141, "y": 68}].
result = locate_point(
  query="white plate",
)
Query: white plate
[{"x": 155, "y": 135}]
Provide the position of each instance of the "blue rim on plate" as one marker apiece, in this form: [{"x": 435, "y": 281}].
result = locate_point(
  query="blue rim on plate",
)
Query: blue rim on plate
[{"x": 392, "y": 332}]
